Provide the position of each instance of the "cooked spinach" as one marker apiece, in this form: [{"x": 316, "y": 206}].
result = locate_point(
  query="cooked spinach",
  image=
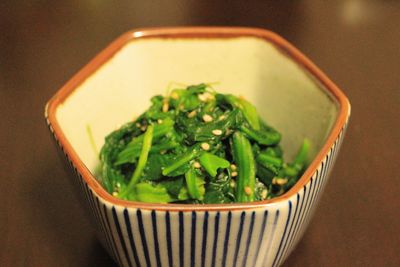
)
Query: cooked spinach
[{"x": 198, "y": 146}]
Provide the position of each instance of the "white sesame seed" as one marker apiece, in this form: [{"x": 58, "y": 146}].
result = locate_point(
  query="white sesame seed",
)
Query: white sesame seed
[
  {"x": 221, "y": 117},
  {"x": 233, "y": 167},
  {"x": 233, "y": 183},
  {"x": 115, "y": 194},
  {"x": 264, "y": 194},
  {"x": 159, "y": 121},
  {"x": 279, "y": 181},
  {"x": 192, "y": 114},
  {"x": 217, "y": 132},
  {"x": 165, "y": 106},
  {"x": 196, "y": 165},
  {"x": 205, "y": 146},
  {"x": 209, "y": 96},
  {"x": 143, "y": 128},
  {"x": 202, "y": 97},
  {"x": 247, "y": 190},
  {"x": 174, "y": 95},
  {"x": 138, "y": 125},
  {"x": 207, "y": 118},
  {"x": 234, "y": 174}
]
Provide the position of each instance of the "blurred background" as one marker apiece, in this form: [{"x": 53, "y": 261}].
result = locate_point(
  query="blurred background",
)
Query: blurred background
[{"x": 356, "y": 42}]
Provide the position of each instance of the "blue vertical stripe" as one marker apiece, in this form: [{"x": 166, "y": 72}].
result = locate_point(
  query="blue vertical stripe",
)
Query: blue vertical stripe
[
  {"x": 101, "y": 225},
  {"x": 89, "y": 203},
  {"x": 106, "y": 232},
  {"x": 130, "y": 236},
  {"x": 306, "y": 203},
  {"x": 324, "y": 173},
  {"x": 249, "y": 238},
  {"x": 260, "y": 237},
  {"x": 204, "y": 244},
  {"x": 239, "y": 238},
  {"x": 216, "y": 228},
  {"x": 290, "y": 232},
  {"x": 311, "y": 194},
  {"x": 121, "y": 238},
  {"x": 181, "y": 240},
  {"x": 317, "y": 186},
  {"x": 226, "y": 240},
  {"x": 297, "y": 225},
  {"x": 155, "y": 236},
  {"x": 91, "y": 200},
  {"x": 284, "y": 234},
  {"x": 143, "y": 237},
  {"x": 168, "y": 235},
  {"x": 118, "y": 257},
  {"x": 193, "y": 241},
  {"x": 272, "y": 235}
]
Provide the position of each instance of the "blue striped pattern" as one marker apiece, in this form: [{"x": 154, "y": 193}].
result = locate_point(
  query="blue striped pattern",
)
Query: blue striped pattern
[{"x": 262, "y": 237}]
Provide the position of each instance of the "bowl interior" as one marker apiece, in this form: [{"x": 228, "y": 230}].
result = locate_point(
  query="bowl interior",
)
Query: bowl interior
[{"x": 285, "y": 94}]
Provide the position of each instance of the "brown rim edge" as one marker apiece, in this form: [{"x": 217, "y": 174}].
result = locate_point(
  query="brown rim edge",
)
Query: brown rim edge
[{"x": 196, "y": 32}]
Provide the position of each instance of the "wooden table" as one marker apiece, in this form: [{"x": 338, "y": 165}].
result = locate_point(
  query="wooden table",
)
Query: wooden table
[{"x": 357, "y": 43}]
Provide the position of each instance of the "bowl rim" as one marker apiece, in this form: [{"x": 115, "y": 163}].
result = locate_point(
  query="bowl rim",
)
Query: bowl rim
[{"x": 203, "y": 33}]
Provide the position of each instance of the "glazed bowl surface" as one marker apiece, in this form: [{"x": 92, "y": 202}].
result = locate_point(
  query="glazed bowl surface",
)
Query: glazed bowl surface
[{"x": 289, "y": 91}]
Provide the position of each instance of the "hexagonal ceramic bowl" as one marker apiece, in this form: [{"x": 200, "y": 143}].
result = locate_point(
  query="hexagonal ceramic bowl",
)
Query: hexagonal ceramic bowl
[{"x": 289, "y": 91}]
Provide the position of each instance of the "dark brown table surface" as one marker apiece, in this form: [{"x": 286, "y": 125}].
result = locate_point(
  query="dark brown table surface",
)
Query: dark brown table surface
[{"x": 357, "y": 43}]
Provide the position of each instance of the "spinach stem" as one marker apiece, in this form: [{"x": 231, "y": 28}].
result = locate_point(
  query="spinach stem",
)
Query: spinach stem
[
  {"x": 244, "y": 158},
  {"x": 180, "y": 161},
  {"x": 147, "y": 139}
]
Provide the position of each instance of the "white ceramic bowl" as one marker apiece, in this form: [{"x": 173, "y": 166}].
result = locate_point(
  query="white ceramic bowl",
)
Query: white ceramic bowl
[{"x": 289, "y": 91}]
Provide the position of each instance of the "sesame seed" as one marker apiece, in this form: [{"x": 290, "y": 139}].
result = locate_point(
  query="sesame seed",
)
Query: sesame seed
[
  {"x": 159, "y": 121},
  {"x": 143, "y": 128},
  {"x": 196, "y": 165},
  {"x": 192, "y": 114},
  {"x": 247, "y": 190},
  {"x": 264, "y": 194},
  {"x": 233, "y": 167},
  {"x": 232, "y": 183},
  {"x": 174, "y": 95},
  {"x": 217, "y": 132},
  {"x": 234, "y": 174},
  {"x": 165, "y": 106},
  {"x": 279, "y": 181},
  {"x": 138, "y": 125},
  {"x": 209, "y": 96},
  {"x": 221, "y": 117},
  {"x": 115, "y": 194},
  {"x": 162, "y": 152},
  {"x": 205, "y": 146},
  {"x": 207, "y": 118},
  {"x": 202, "y": 97}
]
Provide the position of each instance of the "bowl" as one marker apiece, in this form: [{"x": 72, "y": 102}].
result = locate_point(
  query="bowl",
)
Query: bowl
[{"x": 289, "y": 91}]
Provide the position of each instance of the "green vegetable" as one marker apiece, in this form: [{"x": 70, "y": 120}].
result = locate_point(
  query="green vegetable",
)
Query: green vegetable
[
  {"x": 149, "y": 193},
  {"x": 212, "y": 163},
  {"x": 147, "y": 139},
  {"x": 195, "y": 184},
  {"x": 198, "y": 146},
  {"x": 244, "y": 158}
]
